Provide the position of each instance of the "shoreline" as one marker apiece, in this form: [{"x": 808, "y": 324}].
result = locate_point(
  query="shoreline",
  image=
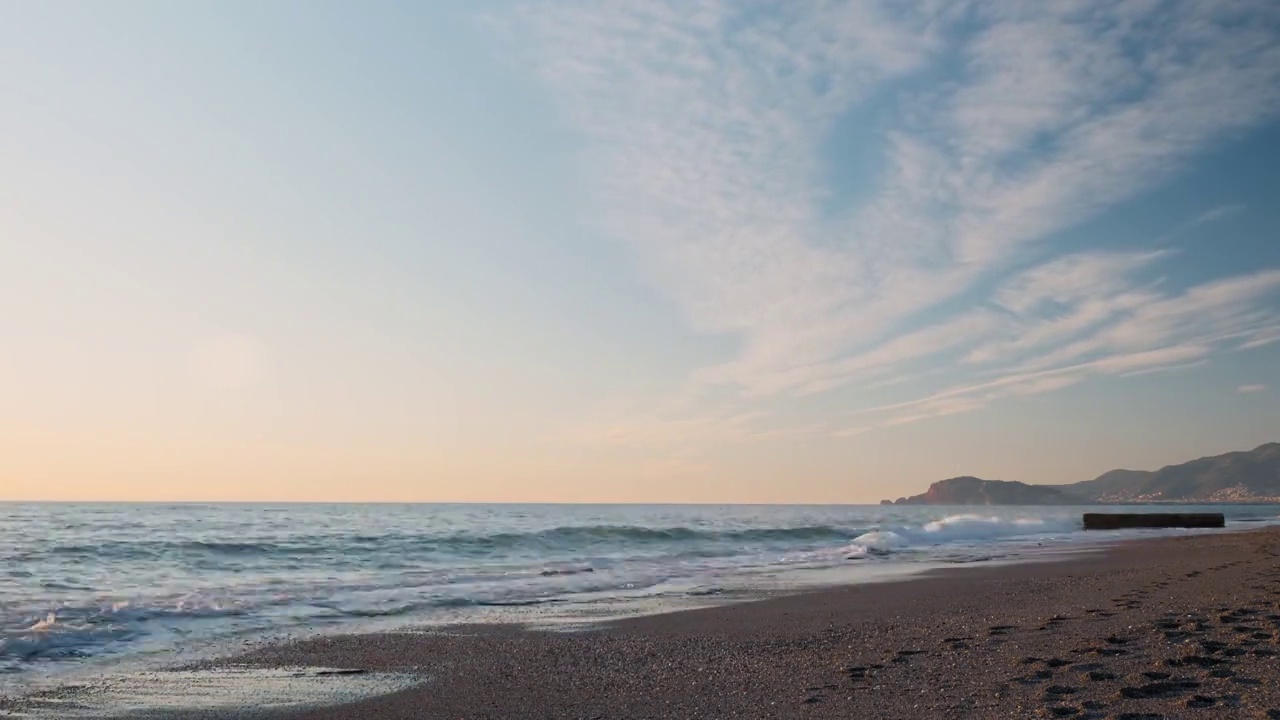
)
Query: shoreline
[{"x": 1070, "y": 637}]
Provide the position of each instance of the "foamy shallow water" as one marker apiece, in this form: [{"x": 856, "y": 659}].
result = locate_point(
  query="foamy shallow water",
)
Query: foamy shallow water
[
  {"x": 162, "y": 694},
  {"x": 86, "y": 588}
]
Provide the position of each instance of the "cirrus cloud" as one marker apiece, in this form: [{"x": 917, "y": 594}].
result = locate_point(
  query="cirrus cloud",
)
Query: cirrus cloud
[{"x": 1005, "y": 123}]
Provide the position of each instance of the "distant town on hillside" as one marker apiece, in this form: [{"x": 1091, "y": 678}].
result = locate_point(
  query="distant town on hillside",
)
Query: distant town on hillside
[{"x": 1237, "y": 477}]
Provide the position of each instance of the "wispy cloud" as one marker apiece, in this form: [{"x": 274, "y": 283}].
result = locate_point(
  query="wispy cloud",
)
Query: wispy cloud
[
  {"x": 1212, "y": 215},
  {"x": 1221, "y": 212},
  {"x": 1166, "y": 369},
  {"x": 1261, "y": 338},
  {"x": 1250, "y": 389},
  {"x": 1007, "y": 123}
]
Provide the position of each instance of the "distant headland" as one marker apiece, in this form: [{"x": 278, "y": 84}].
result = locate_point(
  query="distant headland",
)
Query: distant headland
[{"x": 1236, "y": 477}]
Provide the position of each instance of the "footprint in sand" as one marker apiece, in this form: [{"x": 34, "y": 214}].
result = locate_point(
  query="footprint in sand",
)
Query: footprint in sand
[
  {"x": 906, "y": 655},
  {"x": 861, "y": 672},
  {"x": 1202, "y": 701},
  {"x": 817, "y": 694},
  {"x": 1201, "y": 661},
  {"x": 1056, "y": 691},
  {"x": 1038, "y": 676},
  {"x": 1159, "y": 690}
]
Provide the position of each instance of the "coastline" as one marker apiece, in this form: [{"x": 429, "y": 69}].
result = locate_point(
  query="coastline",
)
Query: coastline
[{"x": 1165, "y": 626}]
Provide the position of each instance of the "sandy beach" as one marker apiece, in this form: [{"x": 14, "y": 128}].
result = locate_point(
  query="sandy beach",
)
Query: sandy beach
[
  {"x": 1164, "y": 628},
  {"x": 1168, "y": 628}
]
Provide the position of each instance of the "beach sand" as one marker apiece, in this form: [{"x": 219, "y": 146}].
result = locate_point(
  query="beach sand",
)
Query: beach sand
[{"x": 1169, "y": 628}]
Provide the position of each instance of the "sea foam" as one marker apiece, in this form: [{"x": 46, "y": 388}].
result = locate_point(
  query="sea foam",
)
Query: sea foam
[{"x": 88, "y": 583}]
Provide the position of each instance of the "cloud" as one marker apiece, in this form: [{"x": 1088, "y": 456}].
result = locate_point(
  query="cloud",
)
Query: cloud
[
  {"x": 1261, "y": 338},
  {"x": 1249, "y": 389},
  {"x": 967, "y": 398},
  {"x": 996, "y": 125},
  {"x": 1163, "y": 369},
  {"x": 1221, "y": 212}
]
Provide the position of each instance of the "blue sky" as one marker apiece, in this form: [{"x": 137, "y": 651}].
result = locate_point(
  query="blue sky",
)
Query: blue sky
[{"x": 705, "y": 251}]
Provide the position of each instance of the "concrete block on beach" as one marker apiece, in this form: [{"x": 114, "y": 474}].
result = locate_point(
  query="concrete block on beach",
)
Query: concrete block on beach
[{"x": 1125, "y": 521}]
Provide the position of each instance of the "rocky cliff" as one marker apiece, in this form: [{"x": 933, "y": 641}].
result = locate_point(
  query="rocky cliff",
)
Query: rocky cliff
[{"x": 976, "y": 491}]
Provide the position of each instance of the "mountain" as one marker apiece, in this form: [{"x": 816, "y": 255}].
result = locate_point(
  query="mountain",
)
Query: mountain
[
  {"x": 976, "y": 491},
  {"x": 1252, "y": 476},
  {"x": 1249, "y": 476}
]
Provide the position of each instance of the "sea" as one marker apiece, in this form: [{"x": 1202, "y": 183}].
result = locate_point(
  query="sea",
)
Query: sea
[{"x": 103, "y": 586}]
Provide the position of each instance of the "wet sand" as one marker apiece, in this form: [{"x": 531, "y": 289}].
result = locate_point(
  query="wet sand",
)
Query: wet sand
[{"x": 1171, "y": 628}]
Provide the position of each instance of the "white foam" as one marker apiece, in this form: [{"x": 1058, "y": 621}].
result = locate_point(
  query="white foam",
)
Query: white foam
[
  {"x": 962, "y": 529},
  {"x": 166, "y": 692},
  {"x": 878, "y": 541},
  {"x": 169, "y": 579},
  {"x": 984, "y": 527},
  {"x": 70, "y": 631}
]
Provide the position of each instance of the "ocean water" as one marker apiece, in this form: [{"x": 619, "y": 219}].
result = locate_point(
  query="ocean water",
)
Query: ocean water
[{"x": 101, "y": 585}]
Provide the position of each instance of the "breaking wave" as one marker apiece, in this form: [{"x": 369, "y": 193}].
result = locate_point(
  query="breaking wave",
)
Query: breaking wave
[
  {"x": 86, "y": 582},
  {"x": 72, "y": 632},
  {"x": 952, "y": 528},
  {"x": 958, "y": 529}
]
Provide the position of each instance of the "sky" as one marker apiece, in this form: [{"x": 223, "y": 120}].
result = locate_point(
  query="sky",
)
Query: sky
[{"x": 645, "y": 251}]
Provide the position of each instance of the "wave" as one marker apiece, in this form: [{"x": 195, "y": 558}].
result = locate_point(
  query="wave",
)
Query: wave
[
  {"x": 954, "y": 527},
  {"x": 576, "y": 543},
  {"x": 156, "y": 548},
  {"x": 964, "y": 528},
  {"x": 189, "y": 582},
  {"x": 982, "y": 527},
  {"x": 72, "y": 631},
  {"x": 587, "y": 534},
  {"x": 876, "y": 542},
  {"x": 552, "y": 538}
]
